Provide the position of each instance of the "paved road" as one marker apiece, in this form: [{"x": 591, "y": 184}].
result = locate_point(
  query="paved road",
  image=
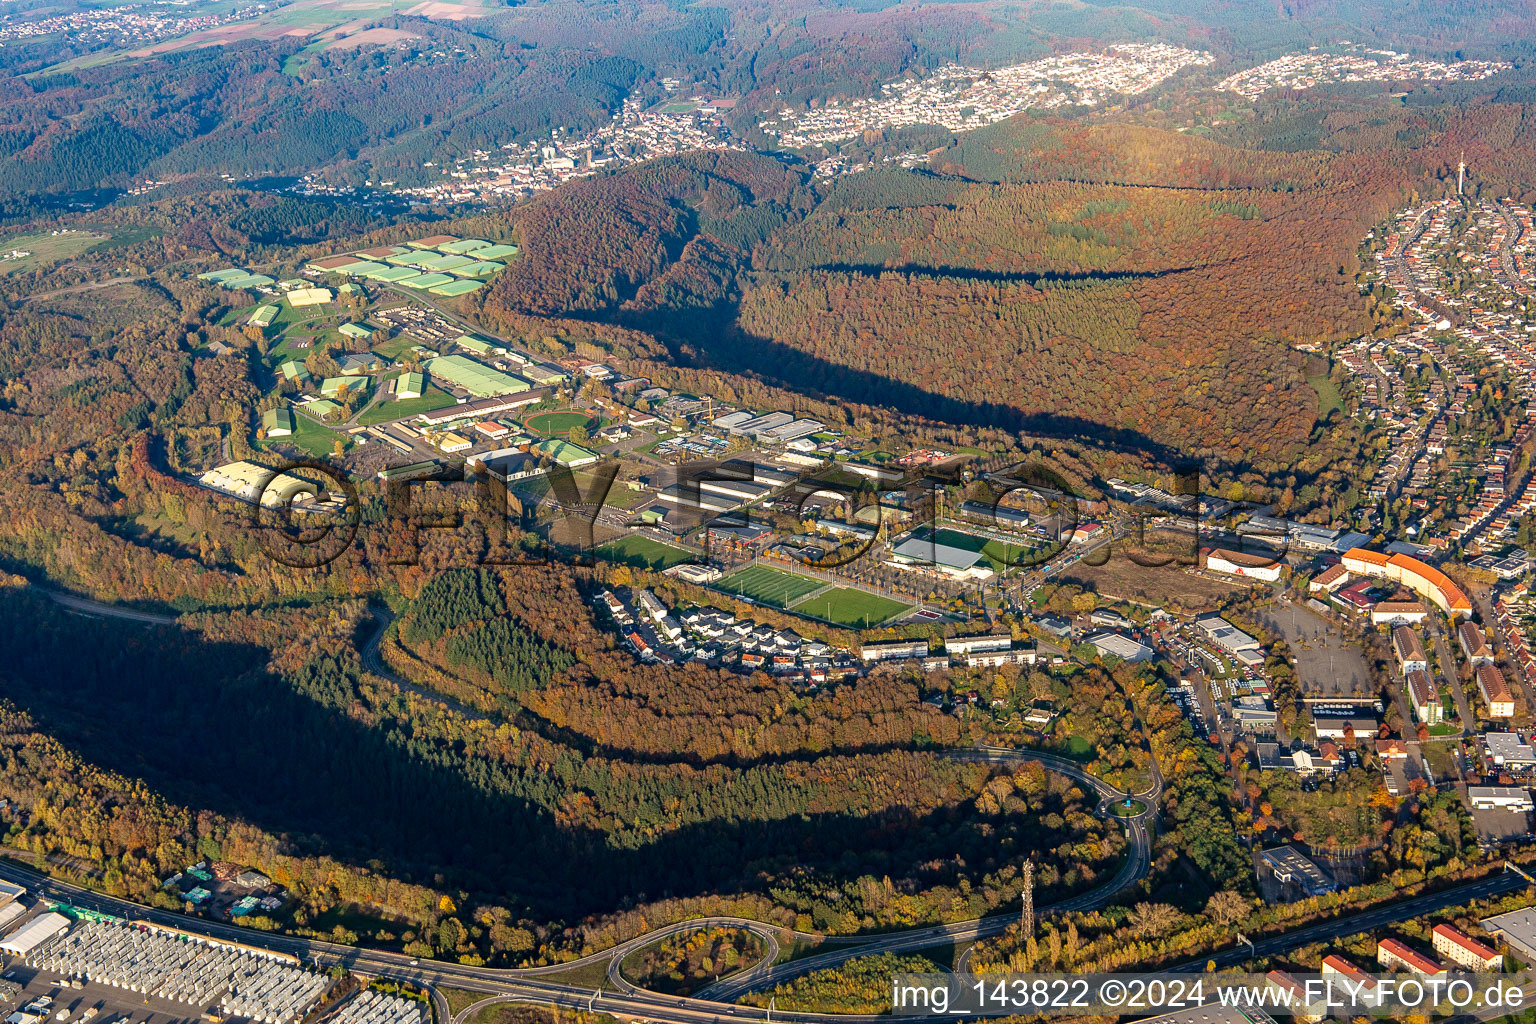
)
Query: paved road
[
  {"x": 1376, "y": 917},
  {"x": 1135, "y": 867},
  {"x": 499, "y": 984},
  {"x": 1449, "y": 677},
  {"x": 529, "y": 984},
  {"x": 87, "y": 606}
]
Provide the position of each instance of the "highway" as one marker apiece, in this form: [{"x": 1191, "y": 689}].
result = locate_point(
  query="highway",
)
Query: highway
[
  {"x": 713, "y": 1004},
  {"x": 532, "y": 984}
]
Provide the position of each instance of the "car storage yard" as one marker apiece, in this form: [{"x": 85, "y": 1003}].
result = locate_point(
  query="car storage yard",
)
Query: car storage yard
[{"x": 112, "y": 972}]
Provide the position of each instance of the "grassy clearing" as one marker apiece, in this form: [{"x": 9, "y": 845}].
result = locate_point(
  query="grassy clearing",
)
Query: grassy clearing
[
  {"x": 1078, "y": 749},
  {"x": 459, "y": 999},
  {"x": 1328, "y": 397},
  {"x": 586, "y": 976},
  {"x": 396, "y": 409},
  {"x": 310, "y": 436},
  {"x": 43, "y": 249},
  {"x": 395, "y": 347}
]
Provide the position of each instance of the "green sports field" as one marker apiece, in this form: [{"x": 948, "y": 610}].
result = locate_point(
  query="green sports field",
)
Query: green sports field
[
  {"x": 769, "y": 586},
  {"x": 643, "y": 552},
  {"x": 999, "y": 554},
  {"x": 848, "y": 606},
  {"x": 559, "y": 424}
]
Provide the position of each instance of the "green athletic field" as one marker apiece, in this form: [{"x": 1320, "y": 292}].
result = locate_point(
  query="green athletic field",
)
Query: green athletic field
[
  {"x": 999, "y": 554},
  {"x": 559, "y": 424},
  {"x": 643, "y": 552},
  {"x": 769, "y": 586},
  {"x": 848, "y": 606}
]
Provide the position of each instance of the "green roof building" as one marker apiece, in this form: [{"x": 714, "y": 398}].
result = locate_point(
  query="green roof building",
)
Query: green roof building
[
  {"x": 322, "y": 408},
  {"x": 427, "y": 281},
  {"x": 247, "y": 281},
  {"x": 410, "y": 472},
  {"x": 441, "y": 263},
  {"x": 356, "y": 331},
  {"x": 496, "y": 252},
  {"x": 410, "y": 385},
  {"x": 263, "y": 316},
  {"x": 227, "y": 274},
  {"x": 481, "y": 268},
  {"x": 539, "y": 373},
  {"x": 294, "y": 370},
  {"x": 564, "y": 452},
  {"x": 457, "y": 288},
  {"x": 333, "y": 386},
  {"x": 476, "y": 378},
  {"x": 478, "y": 345},
  {"x": 464, "y": 245},
  {"x": 277, "y": 422}
]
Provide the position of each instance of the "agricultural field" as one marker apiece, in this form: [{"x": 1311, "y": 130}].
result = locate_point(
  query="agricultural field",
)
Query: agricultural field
[
  {"x": 766, "y": 585},
  {"x": 643, "y": 552},
  {"x": 43, "y": 249},
  {"x": 848, "y": 606}
]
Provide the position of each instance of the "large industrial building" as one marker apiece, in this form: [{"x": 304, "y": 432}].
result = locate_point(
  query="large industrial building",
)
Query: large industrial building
[
  {"x": 926, "y": 553},
  {"x": 34, "y": 933},
  {"x": 476, "y": 378},
  {"x": 250, "y": 483},
  {"x": 1123, "y": 647}
]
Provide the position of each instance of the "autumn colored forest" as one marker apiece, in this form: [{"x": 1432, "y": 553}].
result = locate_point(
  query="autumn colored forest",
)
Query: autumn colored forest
[
  {"x": 505, "y": 784},
  {"x": 1121, "y": 284}
]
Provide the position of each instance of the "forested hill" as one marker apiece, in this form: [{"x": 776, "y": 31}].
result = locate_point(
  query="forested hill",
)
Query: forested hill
[
  {"x": 1122, "y": 283},
  {"x": 248, "y": 109}
]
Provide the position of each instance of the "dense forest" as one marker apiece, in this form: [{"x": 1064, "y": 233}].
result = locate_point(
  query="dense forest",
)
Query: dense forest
[
  {"x": 304, "y": 760},
  {"x": 1123, "y": 285}
]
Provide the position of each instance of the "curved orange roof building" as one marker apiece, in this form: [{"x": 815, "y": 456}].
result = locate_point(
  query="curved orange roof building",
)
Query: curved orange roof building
[{"x": 1423, "y": 579}]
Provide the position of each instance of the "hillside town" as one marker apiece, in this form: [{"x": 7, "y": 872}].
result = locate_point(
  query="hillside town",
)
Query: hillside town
[
  {"x": 960, "y": 98},
  {"x": 1347, "y": 64},
  {"x": 517, "y": 170},
  {"x": 121, "y": 26}
]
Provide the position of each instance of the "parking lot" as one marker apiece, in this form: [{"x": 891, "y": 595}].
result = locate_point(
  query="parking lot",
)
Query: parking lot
[
  {"x": 112, "y": 1005},
  {"x": 111, "y": 972},
  {"x": 1326, "y": 664}
]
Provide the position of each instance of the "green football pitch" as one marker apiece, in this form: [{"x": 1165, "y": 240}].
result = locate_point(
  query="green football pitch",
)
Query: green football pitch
[{"x": 769, "y": 586}]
